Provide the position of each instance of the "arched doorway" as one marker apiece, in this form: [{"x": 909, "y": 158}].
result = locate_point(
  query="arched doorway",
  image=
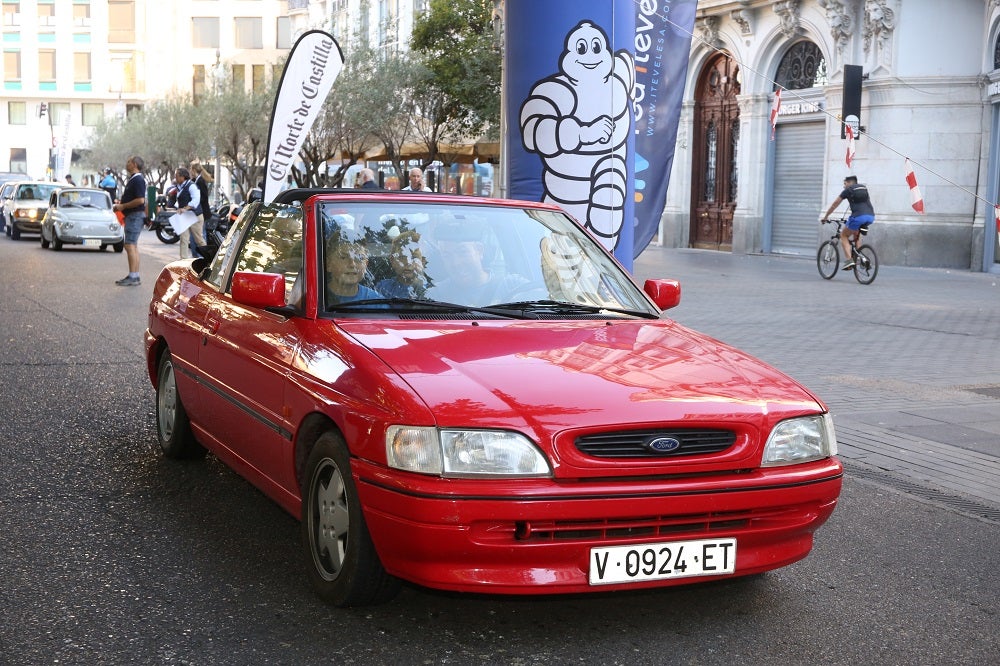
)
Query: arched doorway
[{"x": 714, "y": 176}]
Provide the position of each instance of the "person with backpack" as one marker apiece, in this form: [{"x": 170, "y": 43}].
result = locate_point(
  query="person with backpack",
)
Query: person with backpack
[{"x": 862, "y": 213}]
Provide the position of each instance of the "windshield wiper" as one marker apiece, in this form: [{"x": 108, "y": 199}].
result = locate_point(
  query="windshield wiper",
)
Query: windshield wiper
[
  {"x": 416, "y": 304},
  {"x": 560, "y": 307}
]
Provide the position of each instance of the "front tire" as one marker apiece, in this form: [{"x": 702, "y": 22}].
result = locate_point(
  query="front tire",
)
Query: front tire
[
  {"x": 828, "y": 259},
  {"x": 119, "y": 247},
  {"x": 45, "y": 243},
  {"x": 15, "y": 233},
  {"x": 57, "y": 244},
  {"x": 173, "y": 430},
  {"x": 167, "y": 235},
  {"x": 343, "y": 566}
]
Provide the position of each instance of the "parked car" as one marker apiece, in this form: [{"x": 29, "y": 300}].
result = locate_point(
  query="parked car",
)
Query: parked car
[
  {"x": 81, "y": 216},
  {"x": 472, "y": 395},
  {"x": 26, "y": 208}
]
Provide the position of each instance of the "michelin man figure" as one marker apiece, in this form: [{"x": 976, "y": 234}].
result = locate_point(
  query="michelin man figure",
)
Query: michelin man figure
[{"x": 578, "y": 121}]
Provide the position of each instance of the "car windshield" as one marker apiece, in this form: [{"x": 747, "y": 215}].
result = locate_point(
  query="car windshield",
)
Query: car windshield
[
  {"x": 84, "y": 199},
  {"x": 36, "y": 191},
  {"x": 514, "y": 261}
]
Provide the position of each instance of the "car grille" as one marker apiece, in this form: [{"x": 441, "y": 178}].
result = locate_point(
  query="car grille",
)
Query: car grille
[
  {"x": 634, "y": 443},
  {"x": 651, "y": 526}
]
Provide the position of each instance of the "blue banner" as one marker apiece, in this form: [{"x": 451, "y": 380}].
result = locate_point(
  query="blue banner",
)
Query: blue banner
[
  {"x": 593, "y": 91},
  {"x": 662, "y": 44}
]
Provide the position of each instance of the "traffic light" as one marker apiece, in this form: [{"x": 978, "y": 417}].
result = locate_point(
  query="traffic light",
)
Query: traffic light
[{"x": 43, "y": 108}]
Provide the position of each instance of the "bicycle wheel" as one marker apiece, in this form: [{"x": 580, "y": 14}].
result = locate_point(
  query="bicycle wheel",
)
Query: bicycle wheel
[
  {"x": 866, "y": 266},
  {"x": 828, "y": 259}
]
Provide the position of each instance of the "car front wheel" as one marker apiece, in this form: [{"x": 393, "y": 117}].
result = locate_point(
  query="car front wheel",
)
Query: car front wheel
[
  {"x": 44, "y": 241},
  {"x": 344, "y": 568},
  {"x": 173, "y": 430}
]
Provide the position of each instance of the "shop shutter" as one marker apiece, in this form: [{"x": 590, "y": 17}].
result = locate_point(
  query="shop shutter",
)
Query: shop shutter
[{"x": 798, "y": 188}]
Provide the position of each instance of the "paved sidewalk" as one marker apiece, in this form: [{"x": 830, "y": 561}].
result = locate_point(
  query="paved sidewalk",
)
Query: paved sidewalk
[{"x": 909, "y": 365}]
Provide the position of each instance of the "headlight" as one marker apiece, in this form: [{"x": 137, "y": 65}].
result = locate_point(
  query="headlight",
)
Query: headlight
[
  {"x": 464, "y": 453},
  {"x": 800, "y": 440},
  {"x": 29, "y": 213}
]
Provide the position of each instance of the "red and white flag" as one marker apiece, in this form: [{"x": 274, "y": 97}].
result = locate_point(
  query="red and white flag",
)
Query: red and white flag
[
  {"x": 775, "y": 108},
  {"x": 850, "y": 144},
  {"x": 917, "y": 199},
  {"x": 996, "y": 216}
]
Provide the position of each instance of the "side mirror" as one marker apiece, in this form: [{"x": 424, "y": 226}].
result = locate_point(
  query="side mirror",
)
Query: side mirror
[
  {"x": 665, "y": 293},
  {"x": 259, "y": 290}
]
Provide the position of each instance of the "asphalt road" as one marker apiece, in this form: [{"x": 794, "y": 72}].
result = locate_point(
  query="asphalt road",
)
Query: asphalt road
[{"x": 113, "y": 555}]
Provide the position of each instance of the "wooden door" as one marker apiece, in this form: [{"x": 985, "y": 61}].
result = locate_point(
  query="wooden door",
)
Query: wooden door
[{"x": 715, "y": 177}]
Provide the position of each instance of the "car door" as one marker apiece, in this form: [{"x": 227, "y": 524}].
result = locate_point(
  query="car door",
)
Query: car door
[{"x": 247, "y": 352}]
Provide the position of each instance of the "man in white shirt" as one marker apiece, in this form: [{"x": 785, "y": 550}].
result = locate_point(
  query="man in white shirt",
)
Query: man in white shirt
[{"x": 416, "y": 181}]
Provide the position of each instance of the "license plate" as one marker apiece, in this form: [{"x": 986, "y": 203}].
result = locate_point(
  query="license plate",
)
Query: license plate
[
  {"x": 91, "y": 242},
  {"x": 660, "y": 561}
]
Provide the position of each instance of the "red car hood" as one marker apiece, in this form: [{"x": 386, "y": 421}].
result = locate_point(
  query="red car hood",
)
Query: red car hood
[{"x": 556, "y": 375}]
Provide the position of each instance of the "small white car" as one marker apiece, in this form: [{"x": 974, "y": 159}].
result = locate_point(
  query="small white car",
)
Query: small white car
[{"x": 81, "y": 216}]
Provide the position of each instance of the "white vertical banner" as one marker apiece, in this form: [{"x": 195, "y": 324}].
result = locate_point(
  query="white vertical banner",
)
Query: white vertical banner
[
  {"x": 310, "y": 71},
  {"x": 64, "y": 154}
]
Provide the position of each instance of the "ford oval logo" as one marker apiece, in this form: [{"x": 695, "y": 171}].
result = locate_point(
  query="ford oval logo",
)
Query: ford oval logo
[{"x": 663, "y": 445}]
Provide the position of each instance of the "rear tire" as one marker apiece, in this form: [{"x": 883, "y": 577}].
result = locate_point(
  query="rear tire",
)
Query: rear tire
[
  {"x": 828, "y": 259},
  {"x": 866, "y": 265},
  {"x": 119, "y": 247},
  {"x": 343, "y": 566},
  {"x": 173, "y": 430}
]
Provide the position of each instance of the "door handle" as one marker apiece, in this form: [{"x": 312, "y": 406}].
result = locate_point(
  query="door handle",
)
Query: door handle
[{"x": 212, "y": 324}]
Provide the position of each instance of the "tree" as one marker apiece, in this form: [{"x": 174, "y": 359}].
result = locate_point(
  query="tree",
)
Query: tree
[
  {"x": 459, "y": 44},
  {"x": 237, "y": 124}
]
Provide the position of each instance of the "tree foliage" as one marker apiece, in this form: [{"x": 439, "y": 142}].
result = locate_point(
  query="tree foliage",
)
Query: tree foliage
[{"x": 458, "y": 42}]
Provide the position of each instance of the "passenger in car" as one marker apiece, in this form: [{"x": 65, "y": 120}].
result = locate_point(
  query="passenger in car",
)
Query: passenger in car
[
  {"x": 346, "y": 262},
  {"x": 407, "y": 262},
  {"x": 469, "y": 281}
]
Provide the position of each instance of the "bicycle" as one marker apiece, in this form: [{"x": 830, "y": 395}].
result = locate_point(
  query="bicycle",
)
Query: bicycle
[{"x": 865, "y": 259}]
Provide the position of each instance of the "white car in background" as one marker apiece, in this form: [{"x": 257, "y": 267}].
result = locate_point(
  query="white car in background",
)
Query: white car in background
[
  {"x": 24, "y": 211},
  {"x": 81, "y": 216}
]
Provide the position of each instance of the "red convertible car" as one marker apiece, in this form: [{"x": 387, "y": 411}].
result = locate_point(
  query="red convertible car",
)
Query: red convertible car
[{"x": 472, "y": 395}]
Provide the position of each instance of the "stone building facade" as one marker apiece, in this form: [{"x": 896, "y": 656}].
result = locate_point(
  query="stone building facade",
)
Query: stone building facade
[{"x": 930, "y": 94}]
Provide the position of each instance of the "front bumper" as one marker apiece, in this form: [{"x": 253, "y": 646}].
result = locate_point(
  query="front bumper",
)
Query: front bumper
[
  {"x": 536, "y": 538},
  {"x": 27, "y": 226}
]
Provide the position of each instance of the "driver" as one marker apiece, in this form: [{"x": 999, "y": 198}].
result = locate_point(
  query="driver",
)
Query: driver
[{"x": 346, "y": 261}]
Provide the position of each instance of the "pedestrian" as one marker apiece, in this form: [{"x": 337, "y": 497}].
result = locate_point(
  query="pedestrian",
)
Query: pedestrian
[
  {"x": 109, "y": 184},
  {"x": 69, "y": 179},
  {"x": 133, "y": 205},
  {"x": 862, "y": 213},
  {"x": 189, "y": 199},
  {"x": 368, "y": 180},
  {"x": 416, "y": 181},
  {"x": 203, "y": 179}
]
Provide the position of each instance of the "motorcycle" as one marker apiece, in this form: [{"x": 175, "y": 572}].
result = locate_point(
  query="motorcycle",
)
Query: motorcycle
[{"x": 160, "y": 223}]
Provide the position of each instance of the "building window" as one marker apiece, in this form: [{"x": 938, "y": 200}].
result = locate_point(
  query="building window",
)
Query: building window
[
  {"x": 276, "y": 71},
  {"x": 46, "y": 66},
  {"x": 803, "y": 66},
  {"x": 46, "y": 14},
  {"x": 11, "y": 14},
  {"x": 248, "y": 32},
  {"x": 81, "y": 68},
  {"x": 11, "y": 66},
  {"x": 996, "y": 54},
  {"x": 284, "y": 31},
  {"x": 56, "y": 112},
  {"x": 81, "y": 14},
  {"x": 17, "y": 113},
  {"x": 19, "y": 160},
  {"x": 91, "y": 114},
  {"x": 205, "y": 32},
  {"x": 239, "y": 77},
  {"x": 258, "y": 83},
  {"x": 121, "y": 21},
  {"x": 198, "y": 83}
]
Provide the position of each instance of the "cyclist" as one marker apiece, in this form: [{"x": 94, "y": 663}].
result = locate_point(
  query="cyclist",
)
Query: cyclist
[{"x": 862, "y": 213}]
